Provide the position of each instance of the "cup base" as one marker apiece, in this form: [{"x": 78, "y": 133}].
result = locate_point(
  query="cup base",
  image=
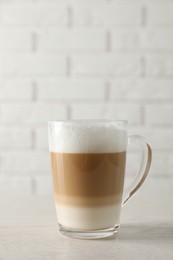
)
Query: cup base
[{"x": 90, "y": 234}]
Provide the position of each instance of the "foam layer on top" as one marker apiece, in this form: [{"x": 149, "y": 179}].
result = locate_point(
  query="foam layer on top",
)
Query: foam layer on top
[{"x": 67, "y": 138}]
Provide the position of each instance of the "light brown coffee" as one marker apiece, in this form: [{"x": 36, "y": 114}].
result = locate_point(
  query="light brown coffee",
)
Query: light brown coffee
[{"x": 88, "y": 179}]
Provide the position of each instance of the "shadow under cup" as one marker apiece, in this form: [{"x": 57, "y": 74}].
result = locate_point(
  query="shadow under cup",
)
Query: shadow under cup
[{"x": 88, "y": 167}]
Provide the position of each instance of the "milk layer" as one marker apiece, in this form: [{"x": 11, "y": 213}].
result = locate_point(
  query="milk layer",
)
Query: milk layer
[{"x": 88, "y": 218}]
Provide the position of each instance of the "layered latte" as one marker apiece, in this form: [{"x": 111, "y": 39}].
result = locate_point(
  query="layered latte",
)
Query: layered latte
[{"x": 88, "y": 166}]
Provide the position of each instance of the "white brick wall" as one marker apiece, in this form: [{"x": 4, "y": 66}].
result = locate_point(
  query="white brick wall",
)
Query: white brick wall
[
  {"x": 68, "y": 59},
  {"x": 159, "y": 114},
  {"x": 41, "y": 138},
  {"x": 161, "y": 139},
  {"x": 106, "y": 65},
  {"x": 159, "y": 65},
  {"x": 148, "y": 39},
  {"x": 32, "y": 113},
  {"x": 132, "y": 113},
  {"x": 27, "y": 163},
  {"x": 16, "y": 89},
  {"x": 15, "y": 41},
  {"x": 108, "y": 14},
  {"x": 33, "y": 15},
  {"x": 72, "y": 40},
  {"x": 160, "y": 14},
  {"x": 142, "y": 89},
  {"x": 15, "y": 185},
  {"x": 14, "y": 139},
  {"x": 32, "y": 64},
  {"x": 93, "y": 89}
]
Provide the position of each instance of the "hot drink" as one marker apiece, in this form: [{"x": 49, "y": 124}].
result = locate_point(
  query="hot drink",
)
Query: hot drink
[{"x": 88, "y": 168}]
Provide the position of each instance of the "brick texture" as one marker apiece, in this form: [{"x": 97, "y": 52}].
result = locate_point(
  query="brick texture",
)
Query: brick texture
[
  {"x": 107, "y": 15},
  {"x": 74, "y": 40},
  {"x": 15, "y": 41},
  {"x": 107, "y": 65},
  {"x": 32, "y": 64},
  {"x": 159, "y": 65},
  {"x": 148, "y": 39},
  {"x": 25, "y": 163},
  {"x": 32, "y": 113},
  {"x": 159, "y": 114},
  {"x": 14, "y": 139},
  {"x": 131, "y": 113},
  {"x": 15, "y": 185},
  {"x": 41, "y": 138},
  {"x": 16, "y": 89},
  {"x": 160, "y": 14},
  {"x": 71, "y": 89},
  {"x": 66, "y": 59},
  {"x": 35, "y": 15},
  {"x": 142, "y": 89},
  {"x": 161, "y": 139}
]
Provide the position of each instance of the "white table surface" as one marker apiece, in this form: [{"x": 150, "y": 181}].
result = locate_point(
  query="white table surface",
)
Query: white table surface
[{"x": 28, "y": 229}]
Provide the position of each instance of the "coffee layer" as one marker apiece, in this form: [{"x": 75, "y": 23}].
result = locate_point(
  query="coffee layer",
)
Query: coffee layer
[
  {"x": 88, "y": 179},
  {"x": 88, "y": 201}
]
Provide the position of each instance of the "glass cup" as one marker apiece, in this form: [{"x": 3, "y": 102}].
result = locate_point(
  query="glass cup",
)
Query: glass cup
[{"x": 88, "y": 159}]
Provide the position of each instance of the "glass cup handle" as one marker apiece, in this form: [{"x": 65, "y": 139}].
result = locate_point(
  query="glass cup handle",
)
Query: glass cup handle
[{"x": 144, "y": 166}]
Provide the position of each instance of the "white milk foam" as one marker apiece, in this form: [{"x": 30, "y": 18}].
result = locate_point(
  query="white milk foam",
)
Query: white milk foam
[{"x": 83, "y": 138}]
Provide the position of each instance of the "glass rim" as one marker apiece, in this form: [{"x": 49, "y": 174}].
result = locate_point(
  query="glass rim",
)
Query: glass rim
[{"x": 87, "y": 121}]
